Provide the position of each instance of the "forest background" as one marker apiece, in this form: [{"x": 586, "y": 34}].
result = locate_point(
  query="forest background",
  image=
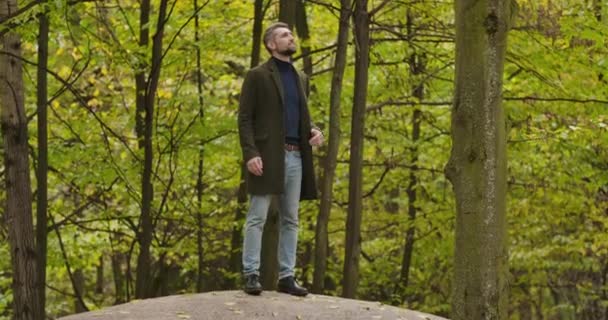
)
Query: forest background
[{"x": 555, "y": 99}]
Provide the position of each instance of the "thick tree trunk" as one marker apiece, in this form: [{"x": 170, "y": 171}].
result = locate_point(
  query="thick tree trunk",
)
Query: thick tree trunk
[
  {"x": 144, "y": 275},
  {"x": 353, "y": 223},
  {"x": 478, "y": 163},
  {"x": 304, "y": 35},
  {"x": 237, "y": 237},
  {"x": 321, "y": 236},
  {"x": 269, "y": 269},
  {"x": 256, "y": 37},
  {"x": 287, "y": 12},
  {"x": 237, "y": 230},
  {"x": 18, "y": 211},
  {"x": 42, "y": 169}
]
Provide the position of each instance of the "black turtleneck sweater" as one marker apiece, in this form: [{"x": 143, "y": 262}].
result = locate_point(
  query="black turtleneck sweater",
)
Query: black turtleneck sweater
[{"x": 291, "y": 103}]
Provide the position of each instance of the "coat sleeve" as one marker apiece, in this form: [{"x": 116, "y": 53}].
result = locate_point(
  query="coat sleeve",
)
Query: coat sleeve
[{"x": 246, "y": 118}]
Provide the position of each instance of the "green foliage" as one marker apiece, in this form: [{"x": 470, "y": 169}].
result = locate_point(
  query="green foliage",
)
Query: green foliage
[{"x": 555, "y": 100}]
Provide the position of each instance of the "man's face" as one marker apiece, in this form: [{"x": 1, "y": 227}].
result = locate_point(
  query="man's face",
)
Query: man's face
[{"x": 282, "y": 42}]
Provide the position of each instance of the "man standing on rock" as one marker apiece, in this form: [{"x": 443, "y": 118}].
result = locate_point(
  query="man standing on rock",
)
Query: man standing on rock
[{"x": 276, "y": 138}]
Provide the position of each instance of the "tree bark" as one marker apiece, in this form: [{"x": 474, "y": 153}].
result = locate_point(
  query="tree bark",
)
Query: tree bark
[
  {"x": 42, "y": 169},
  {"x": 199, "y": 183},
  {"x": 304, "y": 35},
  {"x": 144, "y": 275},
  {"x": 268, "y": 265},
  {"x": 79, "y": 282},
  {"x": 321, "y": 235},
  {"x": 353, "y": 223},
  {"x": 477, "y": 165},
  {"x": 100, "y": 282},
  {"x": 18, "y": 211},
  {"x": 119, "y": 277},
  {"x": 237, "y": 229},
  {"x": 417, "y": 67},
  {"x": 287, "y": 12},
  {"x": 140, "y": 75}
]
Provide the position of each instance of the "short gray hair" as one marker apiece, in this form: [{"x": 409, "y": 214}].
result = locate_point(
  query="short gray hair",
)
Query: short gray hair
[{"x": 270, "y": 30}]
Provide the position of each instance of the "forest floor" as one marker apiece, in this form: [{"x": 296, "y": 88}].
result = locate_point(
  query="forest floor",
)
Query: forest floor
[{"x": 229, "y": 305}]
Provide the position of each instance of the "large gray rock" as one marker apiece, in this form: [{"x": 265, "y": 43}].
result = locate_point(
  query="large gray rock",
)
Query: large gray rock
[{"x": 228, "y": 305}]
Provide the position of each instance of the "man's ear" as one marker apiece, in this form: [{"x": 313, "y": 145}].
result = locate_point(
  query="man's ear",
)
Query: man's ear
[{"x": 271, "y": 45}]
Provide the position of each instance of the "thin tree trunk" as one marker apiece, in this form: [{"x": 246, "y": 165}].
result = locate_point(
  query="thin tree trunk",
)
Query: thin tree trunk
[
  {"x": 144, "y": 275},
  {"x": 199, "y": 183},
  {"x": 100, "y": 283},
  {"x": 417, "y": 66},
  {"x": 353, "y": 223},
  {"x": 18, "y": 211},
  {"x": 477, "y": 165},
  {"x": 79, "y": 285},
  {"x": 304, "y": 35},
  {"x": 321, "y": 235},
  {"x": 119, "y": 277},
  {"x": 140, "y": 75},
  {"x": 237, "y": 230},
  {"x": 42, "y": 169}
]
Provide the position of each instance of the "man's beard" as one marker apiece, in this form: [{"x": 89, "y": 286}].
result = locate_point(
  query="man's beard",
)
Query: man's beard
[{"x": 288, "y": 52}]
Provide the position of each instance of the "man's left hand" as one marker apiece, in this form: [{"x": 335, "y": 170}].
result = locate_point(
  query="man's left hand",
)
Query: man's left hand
[{"x": 317, "y": 138}]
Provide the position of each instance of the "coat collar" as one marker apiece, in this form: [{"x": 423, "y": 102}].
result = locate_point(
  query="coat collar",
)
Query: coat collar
[{"x": 274, "y": 70}]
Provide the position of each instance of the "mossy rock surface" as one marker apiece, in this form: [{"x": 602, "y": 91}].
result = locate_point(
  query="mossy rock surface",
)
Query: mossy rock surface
[{"x": 229, "y": 305}]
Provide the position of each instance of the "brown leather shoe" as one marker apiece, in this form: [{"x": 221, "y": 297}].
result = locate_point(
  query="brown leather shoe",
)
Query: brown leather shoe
[{"x": 289, "y": 285}]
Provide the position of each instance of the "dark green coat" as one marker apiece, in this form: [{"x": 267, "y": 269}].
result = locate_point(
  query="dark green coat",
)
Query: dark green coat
[{"x": 262, "y": 132}]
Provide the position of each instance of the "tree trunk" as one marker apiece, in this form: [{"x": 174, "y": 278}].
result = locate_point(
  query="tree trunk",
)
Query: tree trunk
[
  {"x": 268, "y": 265},
  {"x": 321, "y": 236},
  {"x": 287, "y": 12},
  {"x": 100, "y": 283},
  {"x": 256, "y": 43},
  {"x": 417, "y": 67},
  {"x": 269, "y": 269},
  {"x": 79, "y": 285},
  {"x": 237, "y": 229},
  {"x": 304, "y": 35},
  {"x": 18, "y": 211},
  {"x": 42, "y": 169},
  {"x": 478, "y": 163},
  {"x": 199, "y": 182},
  {"x": 144, "y": 275},
  {"x": 353, "y": 223},
  {"x": 119, "y": 277}
]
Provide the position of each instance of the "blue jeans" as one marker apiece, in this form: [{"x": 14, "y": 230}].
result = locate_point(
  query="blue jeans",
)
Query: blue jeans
[{"x": 288, "y": 221}]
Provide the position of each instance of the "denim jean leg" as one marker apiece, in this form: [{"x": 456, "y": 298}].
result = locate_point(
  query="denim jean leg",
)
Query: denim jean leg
[
  {"x": 288, "y": 217},
  {"x": 254, "y": 226}
]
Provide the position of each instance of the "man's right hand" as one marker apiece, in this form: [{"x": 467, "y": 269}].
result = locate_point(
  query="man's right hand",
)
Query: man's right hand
[{"x": 255, "y": 166}]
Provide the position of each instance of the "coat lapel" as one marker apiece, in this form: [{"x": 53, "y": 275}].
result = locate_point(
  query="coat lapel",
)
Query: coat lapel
[{"x": 274, "y": 72}]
